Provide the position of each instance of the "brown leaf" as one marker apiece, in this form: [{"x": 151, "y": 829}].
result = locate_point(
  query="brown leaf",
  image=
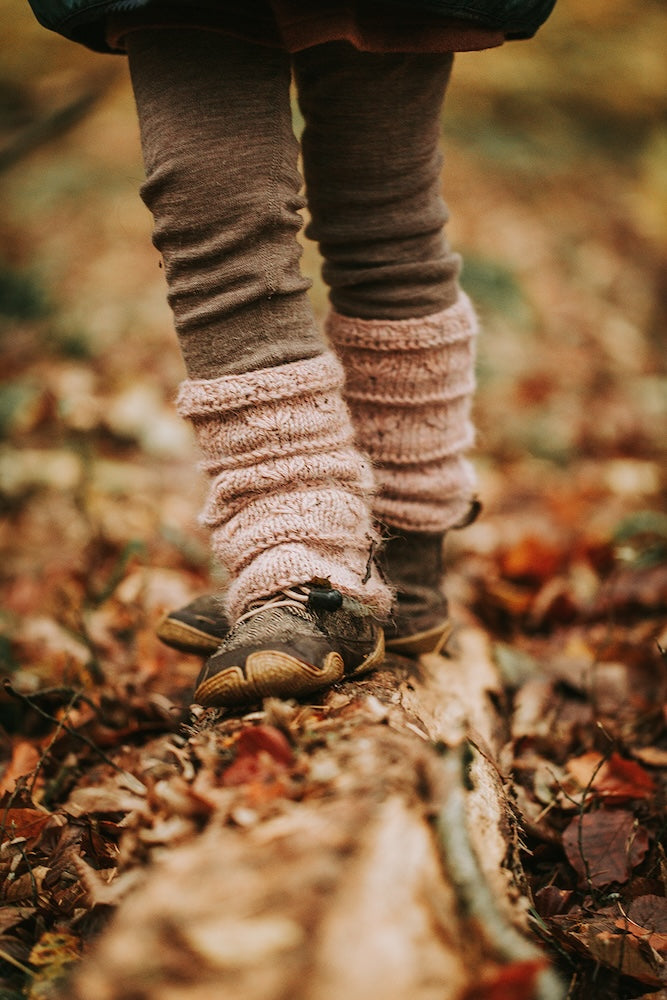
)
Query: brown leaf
[
  {"x": 615, "y": 779},
  {"x": 650, "y": 911},
  {"x": 623, "y": 953},
  {"x": 551, "y": 900},
  {"x": 262, "y": 753},
  {"x": 647, "y": 920},
  {"x": 26, "y": 886},
  {"x": 11, "y": 917},
  {"x": 604, "y": 847},
  {"x": 24, "y": 760},
  {"x": 25, "y": 823}
]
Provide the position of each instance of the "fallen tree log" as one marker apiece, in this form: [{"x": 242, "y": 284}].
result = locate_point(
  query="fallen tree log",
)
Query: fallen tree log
[{"x": 360, "y": 848}]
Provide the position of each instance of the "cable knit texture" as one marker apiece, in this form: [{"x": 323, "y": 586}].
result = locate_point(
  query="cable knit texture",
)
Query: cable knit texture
[
  {"x": 290, "y": 493},
  {"x": 409, "y": 385}
]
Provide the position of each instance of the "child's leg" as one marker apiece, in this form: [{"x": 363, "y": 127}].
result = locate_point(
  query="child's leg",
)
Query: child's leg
[
  {"x": 223, "y": 186},
  {"x": 402, "y": 328},
  {"x": 289, "y": 497}
]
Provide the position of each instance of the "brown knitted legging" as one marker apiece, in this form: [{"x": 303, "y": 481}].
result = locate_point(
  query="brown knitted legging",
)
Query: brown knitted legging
[
  {"x": 225, "y": 190},
  {"x": 292, "y": 494}
]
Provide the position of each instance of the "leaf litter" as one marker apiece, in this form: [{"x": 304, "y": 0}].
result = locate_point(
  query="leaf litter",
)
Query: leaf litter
[{"x": 104, "y": 769}]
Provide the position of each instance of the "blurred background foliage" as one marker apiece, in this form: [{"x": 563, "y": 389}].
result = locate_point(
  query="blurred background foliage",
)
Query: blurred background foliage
[{"x": 556, "y": 179}]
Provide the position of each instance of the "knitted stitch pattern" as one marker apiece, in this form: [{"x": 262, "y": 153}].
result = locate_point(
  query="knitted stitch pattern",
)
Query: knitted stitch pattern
[
  {"x": 409, "y": 385},
  {"x": 289, "y": 500}
]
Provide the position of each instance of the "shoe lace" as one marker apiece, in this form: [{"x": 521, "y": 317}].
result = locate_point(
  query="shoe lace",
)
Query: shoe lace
[
  {"x": 288, "y": 597},
  {"x": 294, "y": 597}
]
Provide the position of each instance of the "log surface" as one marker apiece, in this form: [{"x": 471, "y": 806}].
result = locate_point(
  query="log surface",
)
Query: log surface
[{"x": 391, "y": 873}]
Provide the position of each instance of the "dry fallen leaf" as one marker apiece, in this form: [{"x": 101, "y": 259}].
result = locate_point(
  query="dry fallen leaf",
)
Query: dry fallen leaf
[
  {"x": 27, "y": 824},
  {"x": 25, "y": 758},
  {"x": 516, "y": 981},
  {"x": 263, "y": 756},
  {"x": 255, "y": 739},
  {"x": 614, "y": 778},
  {"x": 624, "y": 953},
  {"x": 551, "y": 900},
  {"x": 603, "y": 847},
  {"x": 647, "y": 920}
]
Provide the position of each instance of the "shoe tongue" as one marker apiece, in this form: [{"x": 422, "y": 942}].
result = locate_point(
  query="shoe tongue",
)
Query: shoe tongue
[{"x": 273, "y": 625}]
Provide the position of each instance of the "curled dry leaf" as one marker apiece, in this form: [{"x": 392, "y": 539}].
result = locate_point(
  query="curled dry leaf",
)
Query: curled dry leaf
[
  {"x": 256, "y": 739},
  {"x": 26, "y": 887},
  {"x": 614, "y": 779},
  {"x": 603, "y": 847}
]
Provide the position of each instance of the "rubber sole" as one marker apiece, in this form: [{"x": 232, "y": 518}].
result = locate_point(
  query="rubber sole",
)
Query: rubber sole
[
  {"x": 275, "y": 673},
  {"x": 432, "y": 640},
  {"x": 186, "y": 638}
]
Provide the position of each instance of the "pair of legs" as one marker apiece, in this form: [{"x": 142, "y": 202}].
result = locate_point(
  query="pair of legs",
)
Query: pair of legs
[{"x": 287, "y": 419}]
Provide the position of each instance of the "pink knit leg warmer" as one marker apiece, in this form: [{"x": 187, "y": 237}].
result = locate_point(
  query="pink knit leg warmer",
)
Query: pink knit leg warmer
[
  {"x": 409, "y": 385},
  {"x": 290, "y": 495}
]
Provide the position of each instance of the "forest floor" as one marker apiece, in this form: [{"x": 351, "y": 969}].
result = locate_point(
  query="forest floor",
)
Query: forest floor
[{"x": 556, "y": 181}]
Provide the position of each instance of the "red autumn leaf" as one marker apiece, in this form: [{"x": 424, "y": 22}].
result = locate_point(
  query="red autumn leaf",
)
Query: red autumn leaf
[
  {"x": 614, "y": 779},
  {"x": 604, "y": 847},
  {"x": 245, "y": 770},
  {"x": 262, "y": 753},
  {"x": 256, "y": 739},
  {"x": 511, "y": 982}
]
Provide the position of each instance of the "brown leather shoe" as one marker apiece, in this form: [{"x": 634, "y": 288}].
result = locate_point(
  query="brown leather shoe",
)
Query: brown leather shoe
[
  {"x": 413, "y": 563},
  {"x": 198, "y": 628},
  {"x": 291, "y": 644}
]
